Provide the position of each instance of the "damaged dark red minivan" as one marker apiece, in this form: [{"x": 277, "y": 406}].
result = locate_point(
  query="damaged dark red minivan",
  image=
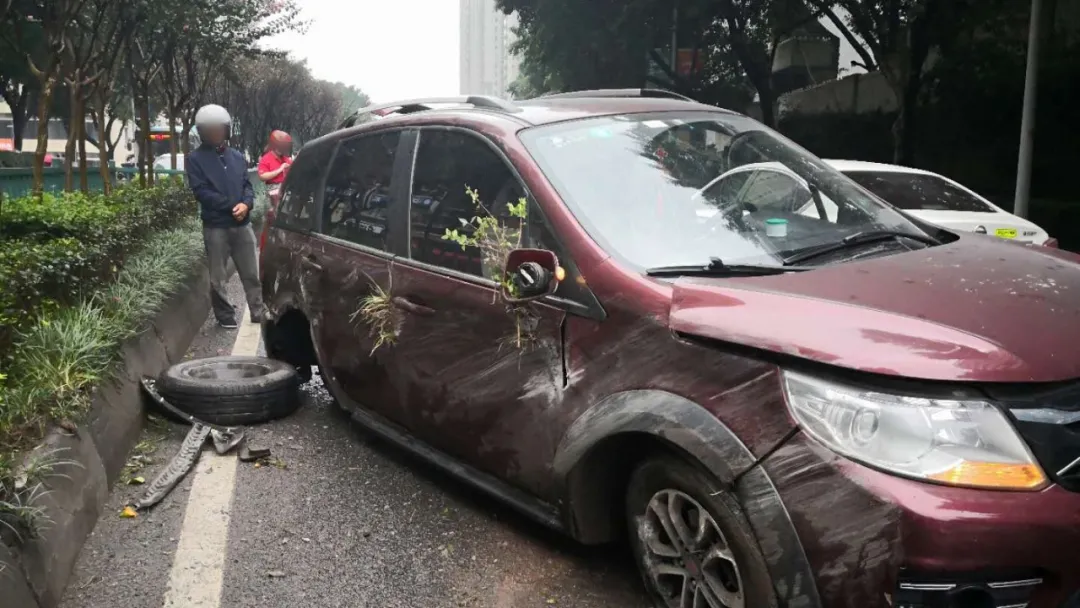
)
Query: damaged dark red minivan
[{"x": 781, "y": 390}]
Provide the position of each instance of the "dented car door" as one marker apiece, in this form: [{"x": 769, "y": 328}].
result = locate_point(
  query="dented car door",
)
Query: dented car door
[
  {"x": 479, "y": 376},
  {"x": 353, "y": 253}
]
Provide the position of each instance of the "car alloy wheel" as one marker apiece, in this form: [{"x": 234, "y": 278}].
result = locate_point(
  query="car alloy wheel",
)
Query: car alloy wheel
[{"x": 686, "y": 555}]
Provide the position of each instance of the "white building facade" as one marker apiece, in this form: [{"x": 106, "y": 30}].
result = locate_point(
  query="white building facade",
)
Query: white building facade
[{"x": 487, "y": 35}]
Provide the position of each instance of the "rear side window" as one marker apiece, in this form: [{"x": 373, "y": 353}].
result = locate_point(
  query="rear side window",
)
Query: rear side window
[
  {"x": 448, "y": 162},
  {"x": 356, "y": 206},
  {"x": 297, "y": 206},
  {"x": 915, "y": 191}
]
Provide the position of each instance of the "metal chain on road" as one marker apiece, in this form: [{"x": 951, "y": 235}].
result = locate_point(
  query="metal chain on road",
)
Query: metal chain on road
[
  {"x": 223, "y": 438},
  {"x": 177, "y": 469}
]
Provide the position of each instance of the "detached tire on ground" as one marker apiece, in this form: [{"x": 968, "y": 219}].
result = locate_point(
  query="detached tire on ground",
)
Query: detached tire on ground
[{"x": 232, "y": 391}]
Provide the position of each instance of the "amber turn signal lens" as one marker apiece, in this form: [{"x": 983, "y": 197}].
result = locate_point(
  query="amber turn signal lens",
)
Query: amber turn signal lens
[
  {"x": 560, "y": 273},
  {"x": 994, "y": 476}
]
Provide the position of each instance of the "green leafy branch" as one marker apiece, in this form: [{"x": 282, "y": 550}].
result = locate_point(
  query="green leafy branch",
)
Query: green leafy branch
[{"x": 493, "y": 238}]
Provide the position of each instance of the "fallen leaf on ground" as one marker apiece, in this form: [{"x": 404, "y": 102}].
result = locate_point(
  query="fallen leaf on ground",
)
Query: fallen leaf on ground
[
  {"x": 129, "y": 512},
  {"x": 275, "y": 574},
  {"x": 137, "y": 481}
]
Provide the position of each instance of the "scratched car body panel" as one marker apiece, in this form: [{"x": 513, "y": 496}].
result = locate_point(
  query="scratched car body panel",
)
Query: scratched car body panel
[
  {"x": 889, "y": 315},
  {"x": 699, "y": 366}
]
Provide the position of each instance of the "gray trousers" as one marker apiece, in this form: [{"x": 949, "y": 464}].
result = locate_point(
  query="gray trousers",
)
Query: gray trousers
[{"x": 239, "y": 244}]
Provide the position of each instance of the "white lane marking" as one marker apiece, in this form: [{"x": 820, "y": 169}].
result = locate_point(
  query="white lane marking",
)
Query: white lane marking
[
  {"x": 198, "y": 569},
  {"x": 247, "y": 339}
]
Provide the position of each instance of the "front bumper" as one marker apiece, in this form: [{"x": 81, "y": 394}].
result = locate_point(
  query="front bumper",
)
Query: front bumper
[{"x": 876, "y": 540}]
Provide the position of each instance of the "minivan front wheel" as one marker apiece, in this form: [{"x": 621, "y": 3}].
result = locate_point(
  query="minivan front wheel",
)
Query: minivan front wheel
[{"x": 690, "y": 541}]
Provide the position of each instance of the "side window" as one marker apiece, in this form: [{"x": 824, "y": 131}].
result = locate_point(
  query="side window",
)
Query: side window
[
  {"x": 726, "y": 191},
  {"x": 305, "y": 178},
  {"x": 775, "y": 192},
  {"x": 357, "y": 201},
  {"x": 447, "y": 163}
]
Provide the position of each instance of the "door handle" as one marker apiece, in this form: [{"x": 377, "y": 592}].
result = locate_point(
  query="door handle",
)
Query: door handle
[
  {"x": 310, "y": 262},
  {"x": 412, "y": 307}
]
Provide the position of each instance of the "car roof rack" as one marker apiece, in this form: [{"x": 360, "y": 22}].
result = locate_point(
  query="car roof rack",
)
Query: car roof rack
[
  {"x": 409, "y": 106},
  {"x": 608, "y": 93}
]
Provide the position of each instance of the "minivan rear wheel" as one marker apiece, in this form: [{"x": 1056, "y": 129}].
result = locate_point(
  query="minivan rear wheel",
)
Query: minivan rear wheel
[{"x": 692, "y": 545}]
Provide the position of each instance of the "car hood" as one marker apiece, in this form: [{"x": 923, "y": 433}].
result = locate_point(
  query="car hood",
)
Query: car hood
[{"x": 977, "y": 309}]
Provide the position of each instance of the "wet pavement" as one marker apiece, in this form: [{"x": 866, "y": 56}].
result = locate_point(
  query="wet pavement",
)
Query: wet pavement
[{"x": 338, "y": 518}]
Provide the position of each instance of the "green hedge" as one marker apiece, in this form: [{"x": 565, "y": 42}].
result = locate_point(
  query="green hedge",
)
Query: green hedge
[
  {"x": 67, "y": 351},
  {"x": 55, "y": 251}
]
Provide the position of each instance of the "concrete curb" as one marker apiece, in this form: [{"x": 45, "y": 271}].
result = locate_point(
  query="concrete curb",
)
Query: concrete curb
[{"x": 34, "y": 575}]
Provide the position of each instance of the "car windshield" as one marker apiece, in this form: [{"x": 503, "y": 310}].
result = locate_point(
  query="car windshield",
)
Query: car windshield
[
  {"x": 672, "y": 188},
  {"x": 917, "y": 191}
]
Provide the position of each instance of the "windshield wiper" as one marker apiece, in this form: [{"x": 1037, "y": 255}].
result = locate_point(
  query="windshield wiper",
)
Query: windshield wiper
[
  {"x": 717, "y": 268},
  {"x": 856, "y": 239}
]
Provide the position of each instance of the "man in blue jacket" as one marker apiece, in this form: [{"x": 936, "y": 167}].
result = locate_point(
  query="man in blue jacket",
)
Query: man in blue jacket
[{"x": 218, "y": 176}]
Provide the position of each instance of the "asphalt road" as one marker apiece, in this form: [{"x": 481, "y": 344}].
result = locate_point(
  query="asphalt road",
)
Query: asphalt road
[{"x": 342, "y": 519}]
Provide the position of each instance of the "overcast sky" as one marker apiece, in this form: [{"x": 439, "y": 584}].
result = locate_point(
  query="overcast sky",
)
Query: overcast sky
[{"x": 393, "y": 49}]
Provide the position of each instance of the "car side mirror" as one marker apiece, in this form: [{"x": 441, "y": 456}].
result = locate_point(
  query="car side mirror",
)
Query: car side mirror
[{"x": 530, "y": 274}]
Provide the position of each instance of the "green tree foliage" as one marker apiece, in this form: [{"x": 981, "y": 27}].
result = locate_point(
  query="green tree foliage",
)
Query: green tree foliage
[
  {"x": 352, "y": 98},
  {"x": 567, "y": 45},
  {"x": 18, "y": 86},
  {"x": 901, "y": 38},
  {"x": 100, "y": 54},
  {"x": 268, "y": 92}
]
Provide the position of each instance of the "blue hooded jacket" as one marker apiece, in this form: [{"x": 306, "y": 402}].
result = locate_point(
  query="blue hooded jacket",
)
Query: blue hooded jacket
[{"x": 219, "y": 180}]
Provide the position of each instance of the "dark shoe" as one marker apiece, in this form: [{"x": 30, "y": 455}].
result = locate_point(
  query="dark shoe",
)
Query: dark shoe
[
  {"x": 228, "y": 324},
  {"x": 260, "y": 317}
]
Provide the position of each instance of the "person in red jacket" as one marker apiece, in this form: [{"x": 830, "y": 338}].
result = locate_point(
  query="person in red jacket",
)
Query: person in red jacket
[{"x": 274, "y": 165}]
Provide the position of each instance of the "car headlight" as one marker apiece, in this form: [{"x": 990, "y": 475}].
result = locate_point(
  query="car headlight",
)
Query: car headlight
[{"x": 956, "y": 442}]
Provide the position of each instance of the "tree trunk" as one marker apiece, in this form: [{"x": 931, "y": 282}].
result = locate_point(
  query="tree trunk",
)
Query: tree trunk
[
  {"x": 767, "y": 102},
  {"x": 146, "y": 156},
  {"x": 185, "y": 137},
  {"x": 173, "y": 148},
  {"x": 103, "y": 139},
  {"x": 44, "y": 102},
  {"x": 904, "y": 127},
  {"x": 110, "y": 143},
  {"x": 909, "y": 85},
  {"x": 18, "y": 118},
  {"x": 73, "y": 134},
  {"x": 18, "y": 102},
  {"x": 84, "y": 181}
]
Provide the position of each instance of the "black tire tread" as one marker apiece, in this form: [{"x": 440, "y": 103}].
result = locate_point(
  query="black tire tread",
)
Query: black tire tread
[{"x": 234, "y": 403}]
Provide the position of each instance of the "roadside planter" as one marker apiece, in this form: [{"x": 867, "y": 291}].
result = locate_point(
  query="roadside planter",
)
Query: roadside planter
[
  {"x": 93, "y": 453},
  {"x": 96, "y": 296}
]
